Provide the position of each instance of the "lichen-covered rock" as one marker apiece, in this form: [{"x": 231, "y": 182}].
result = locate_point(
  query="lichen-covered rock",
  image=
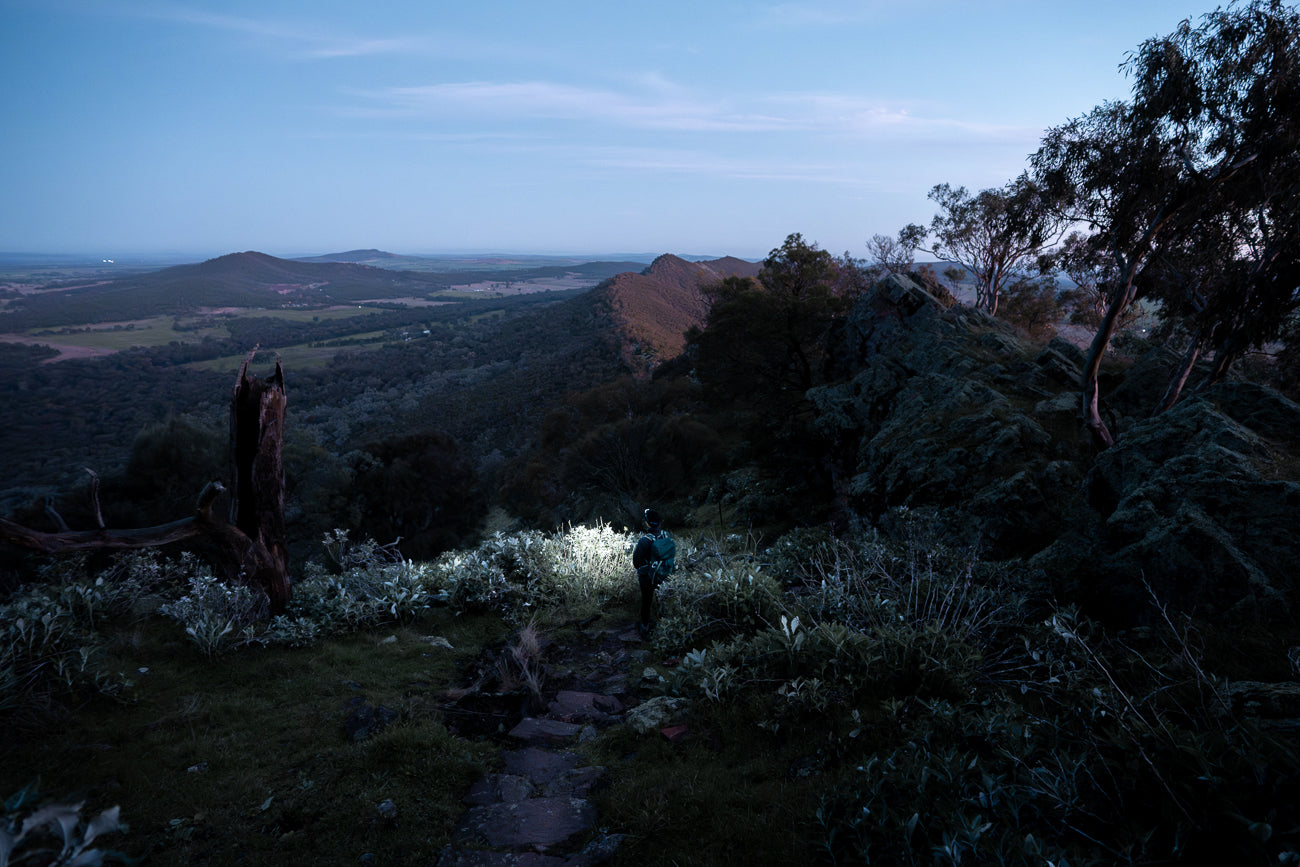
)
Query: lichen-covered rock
[
  {"x": 652, "y": 715},
  {"x": 949, "y": 410},
  {"x": 946, "y": 409},
  {"x": 1193, "y": 503}
]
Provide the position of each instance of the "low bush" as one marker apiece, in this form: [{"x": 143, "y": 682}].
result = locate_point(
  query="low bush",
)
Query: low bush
[
  {"x": 40, "y": 830},
  {"x": 50, "y": 640}
]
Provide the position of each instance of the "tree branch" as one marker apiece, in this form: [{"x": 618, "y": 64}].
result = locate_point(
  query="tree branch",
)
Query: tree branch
[{"x": 198, "y": 524}]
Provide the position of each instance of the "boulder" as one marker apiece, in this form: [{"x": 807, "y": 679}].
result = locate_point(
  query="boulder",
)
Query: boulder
[
  {"x": 946, "y": 408},
  {"x": 652, "y": 715}
]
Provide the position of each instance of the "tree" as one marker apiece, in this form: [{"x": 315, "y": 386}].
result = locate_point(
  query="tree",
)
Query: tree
[
  {"x": 418, "y": 489},
  {"x": 768, "y": 335},
  {"x": 995, "y": 234},
  {"x": 251, "y": 548},
  {"x": 1088, "y": 266},
  {"x": 895, "y": 255},
  {"x": 1205, "y": 156}
]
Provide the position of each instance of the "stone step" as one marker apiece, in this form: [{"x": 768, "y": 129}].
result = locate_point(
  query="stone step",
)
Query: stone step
[
  {"x": 540, "y": 730},
  {"x": 537, "y": 823}
]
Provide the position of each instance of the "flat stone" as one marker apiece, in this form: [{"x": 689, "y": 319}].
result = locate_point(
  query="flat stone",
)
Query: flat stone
[
  {"x": 500, "y": 789},
  {"x": 536, "y": 730},
  {"x": 576, "y": 783},
  {"x": 653, "y": 714},
  {"x": 573, "y": 706},
  {"x": 537, "y": 822},
  {"x": 615, "y": 684},
  {"x": 539, "y": 766},
  {"x": 674, "y": 734}
]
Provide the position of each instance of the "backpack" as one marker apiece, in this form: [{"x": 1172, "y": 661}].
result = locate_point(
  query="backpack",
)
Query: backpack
[{"x": 663, "y": 558}]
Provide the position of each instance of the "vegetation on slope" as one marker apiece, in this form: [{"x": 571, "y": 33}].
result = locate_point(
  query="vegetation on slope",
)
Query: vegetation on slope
[{"x": 848, "y": 701}]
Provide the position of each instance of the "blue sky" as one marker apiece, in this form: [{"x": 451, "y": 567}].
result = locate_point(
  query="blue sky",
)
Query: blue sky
[{"x": 708, "y": 127}]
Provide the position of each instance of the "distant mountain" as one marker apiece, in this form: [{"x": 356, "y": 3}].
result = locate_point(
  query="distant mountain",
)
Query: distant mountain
[
  {"x": 652, "y": 309},
  {"x": 355, "y": 257},
  {"x": 248, "y": 279}
]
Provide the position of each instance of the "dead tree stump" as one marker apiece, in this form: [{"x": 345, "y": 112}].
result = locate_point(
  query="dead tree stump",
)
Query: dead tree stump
[
  {"x": 251, "y": 548},
  {"x": 257, "y": 473}
]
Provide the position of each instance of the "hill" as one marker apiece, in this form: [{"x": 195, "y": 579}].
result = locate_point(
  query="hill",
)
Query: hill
[
  {"x": 652, "y": 310},
  {"x": 355, "y": 257},
  {"x": 248, "y": 279},
  {"x": 257, "y": 280}
]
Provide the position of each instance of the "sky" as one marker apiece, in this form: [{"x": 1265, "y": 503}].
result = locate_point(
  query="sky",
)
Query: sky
[{"x": 707, "y": 127}]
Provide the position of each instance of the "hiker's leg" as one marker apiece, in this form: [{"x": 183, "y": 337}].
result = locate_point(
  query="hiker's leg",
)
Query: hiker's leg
[{"x": 647, "y": 597}]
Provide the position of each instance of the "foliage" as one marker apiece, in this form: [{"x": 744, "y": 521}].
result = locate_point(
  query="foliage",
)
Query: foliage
[
  {"x": 576, "y": 571},
  {"x": 1190, "y": 185},
  {"x": 767, "y": 336},
  {"x": 1033, "y": 305},
  {"x": 1086, "y": 263},
  {"x": 631, "y": 440},
  {"x": 996, "y": 234},
  {"x": 217, "y": 616},
  {"x": 697, "y": 606},
  {"x": 894, "y": 255},
  {"x": 953, "y": 722},
  {"x": 419, "y": 489},
  {"x": 935, "y": 712},
  {"x": 374, "y": 586},
  {"x": 31, "y": 820},
  {"x": 50, "y": 642}
]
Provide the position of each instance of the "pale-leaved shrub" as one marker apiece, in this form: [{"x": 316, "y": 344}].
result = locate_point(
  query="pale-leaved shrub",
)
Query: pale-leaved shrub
[
  {"x": 35, "y": 830},
  {"x": 50, "y": 631},
  {"x": 218, "y": 616}
]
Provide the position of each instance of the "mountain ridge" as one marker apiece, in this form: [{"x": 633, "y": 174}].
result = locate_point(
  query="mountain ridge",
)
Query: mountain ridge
[{"x": 652, "y": 310}]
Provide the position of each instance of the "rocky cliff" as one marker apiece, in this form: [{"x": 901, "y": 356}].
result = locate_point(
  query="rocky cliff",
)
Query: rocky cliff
[{"x": 945, "y": 408}]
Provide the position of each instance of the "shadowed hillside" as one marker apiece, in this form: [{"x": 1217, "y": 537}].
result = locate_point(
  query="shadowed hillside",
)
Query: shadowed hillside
[{"x": 652, "y": 310}]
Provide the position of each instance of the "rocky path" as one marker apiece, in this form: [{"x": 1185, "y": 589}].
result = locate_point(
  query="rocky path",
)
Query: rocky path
[{"x": 536, "y": 811}]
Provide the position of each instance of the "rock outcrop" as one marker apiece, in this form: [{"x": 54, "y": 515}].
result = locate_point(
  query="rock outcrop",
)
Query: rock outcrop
[{"x": 947, "y": 408}]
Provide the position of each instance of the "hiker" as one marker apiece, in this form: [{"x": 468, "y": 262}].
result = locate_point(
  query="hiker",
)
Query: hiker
[{"x": 653, "y": 558}]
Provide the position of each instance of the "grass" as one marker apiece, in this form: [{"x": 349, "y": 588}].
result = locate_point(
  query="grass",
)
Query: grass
[
  {"x": 845, "y": 702},
  {"x": 244, "y": 760},
  {"x": 725, "y": 795}
]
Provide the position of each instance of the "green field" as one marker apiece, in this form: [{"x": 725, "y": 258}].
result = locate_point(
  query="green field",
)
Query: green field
[
  {"x": 117, "y": 336},
  {"x": 302, "y": 355},
  {"x": 113, "y": 337}
]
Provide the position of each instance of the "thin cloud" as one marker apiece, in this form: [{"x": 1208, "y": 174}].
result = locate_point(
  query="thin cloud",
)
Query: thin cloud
[
  {"x": 711, "y": 165},
  {"x": 306, "y": 42},
  {"x": 542, "y": 100},
  {"x": 668, "y": 108},
  {"x": 826, "y": 13}
]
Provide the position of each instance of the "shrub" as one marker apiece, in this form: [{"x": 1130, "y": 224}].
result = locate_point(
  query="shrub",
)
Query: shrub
[
  {"x": 700, "y": 606},
  {"x": 218, "y": 616},
  {"x": 576, "y": 570},
  {"x": 51, "y": 833},
  {"x": 49, "y": 632}
]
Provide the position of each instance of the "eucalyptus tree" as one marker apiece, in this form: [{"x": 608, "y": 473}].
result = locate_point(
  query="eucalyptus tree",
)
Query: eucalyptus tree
[
  {"x": 1192, "y": 185},
  {"x": 996, "y": 234},
  {"x": 895, "y": 255}
]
